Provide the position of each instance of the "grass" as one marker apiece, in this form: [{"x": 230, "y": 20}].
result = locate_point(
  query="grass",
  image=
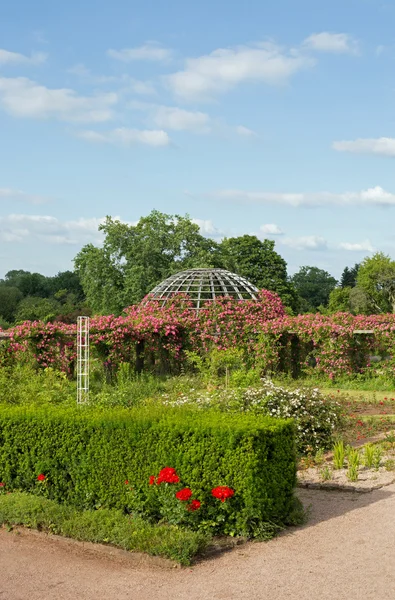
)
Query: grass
[{"x": 102, "y": 526}]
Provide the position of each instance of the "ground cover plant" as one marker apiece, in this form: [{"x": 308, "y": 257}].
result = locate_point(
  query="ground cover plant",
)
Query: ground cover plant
[{"x": 106, "y": 526}]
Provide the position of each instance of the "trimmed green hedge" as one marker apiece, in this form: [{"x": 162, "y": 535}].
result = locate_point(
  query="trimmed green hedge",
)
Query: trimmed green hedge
[{"x": 87, "y": 454}]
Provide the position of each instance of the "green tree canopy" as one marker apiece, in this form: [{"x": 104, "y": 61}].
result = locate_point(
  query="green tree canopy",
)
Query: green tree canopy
[
  {"x": 9, "y": 298},
  {"x": 349, "y": 276},
  {"x": 314, "y": 286},
  {"x": 257, "y": 260},
  {"x": 376, "y": 278},
  {"x": 339, "y": 300},
  {"x": 135, "y": 258}
]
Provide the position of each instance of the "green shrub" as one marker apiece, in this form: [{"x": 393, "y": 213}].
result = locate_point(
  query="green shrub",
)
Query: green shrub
[
  {"x": 316, "y": 417},
  {"x": 102, "y": 526},
  {"x": 23, "y": 384},
  {"x": 87, "y": 454}
]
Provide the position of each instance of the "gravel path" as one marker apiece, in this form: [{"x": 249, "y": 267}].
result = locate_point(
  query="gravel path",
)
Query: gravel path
[{"x": 347, "y": 550}]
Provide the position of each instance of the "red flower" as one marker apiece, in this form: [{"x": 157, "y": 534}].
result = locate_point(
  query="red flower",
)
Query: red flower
[
  {"x": 152, "y": 480},
  {"x": 2, "y": 484},
  {"x": 222, "y": 492},
  {"x": 194, "y": 505},
  {"x": 184, "y": 494},
  {"x": 41, "y": 477},
  {"x": 126, "y": 482},
  {"x": 168, "y": 475}
]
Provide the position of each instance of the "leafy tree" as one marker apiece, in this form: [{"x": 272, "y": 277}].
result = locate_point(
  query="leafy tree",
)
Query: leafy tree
[
  {"x": 376, "y": 278},
  {"x": 339, "y": 300},
  {"x": 314, "y": 286},
  {"x": 257, "y": 260},
  {"x": 9, "y": 298},
  {"x": 30, "y": 284},
  {"x": 37, "y": 309},
  {"x": 349, "y": 277},
  {"x": 135, "y": 258},
  {"x": 66, "y": 282}
]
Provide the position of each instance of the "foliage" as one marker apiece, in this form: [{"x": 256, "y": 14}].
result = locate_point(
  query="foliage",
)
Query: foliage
[
  {"x": 339, "y": 300},
  {"x": 86, "y": 455},
  {"x": 259, "y": 263},
  {"x": 339, "y": 454},
  {"x": 376, "y": 278},
  {"x": 9, "y": 298},
  {"x": 353, "y": 464},
  {"x": 369, "y": 456},
  {"x": 106, "y": 526},
  {"x": 135, "y": 258},
  {"x": 314, "y": 286},
  {"x": 32, "y": 296},
  {"x": 24, "y": 385},
  {"x": 164, "y": 498},
  {"x": 315, "y": 416},
  {"x": 349, "y": 277}
]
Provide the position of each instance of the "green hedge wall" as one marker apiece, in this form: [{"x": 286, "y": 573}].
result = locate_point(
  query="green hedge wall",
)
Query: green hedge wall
[{"x": 87, "y": 455}]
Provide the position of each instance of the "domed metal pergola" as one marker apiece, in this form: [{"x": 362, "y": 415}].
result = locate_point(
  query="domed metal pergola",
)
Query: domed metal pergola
[{"x": 203, "y": 285}]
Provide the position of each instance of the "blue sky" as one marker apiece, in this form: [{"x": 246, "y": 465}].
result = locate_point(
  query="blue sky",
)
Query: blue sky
[{"x": 271, "y": 118}]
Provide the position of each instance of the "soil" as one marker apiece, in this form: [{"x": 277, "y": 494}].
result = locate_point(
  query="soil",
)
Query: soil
[{"x": 346, "y": 550}]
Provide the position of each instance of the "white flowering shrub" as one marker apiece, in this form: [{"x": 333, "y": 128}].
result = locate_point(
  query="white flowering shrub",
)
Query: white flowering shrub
[{"x": 316, "y": 417}]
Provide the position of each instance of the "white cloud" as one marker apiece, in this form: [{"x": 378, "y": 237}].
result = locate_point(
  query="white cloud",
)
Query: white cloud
[
  {"x": 152, "y": 51},
  {"x": 208, "y": 228},
  {"x": 376, "y": 196},
  {"x": 44, "y": 228},
  {"x": 130, "y": 84},
  {"x": 178, "y": 119},
  {"x": 271, "y": 229},
  {"x": 383, "y": 146},
  {"x": 379, "y": 50},
  {"x": 22, "y": 97},
  {"x": 245, "y": 131},
  {"x": 326, "y": 41},
  {"x": 14, "y": 58},
  {"x": 308, "y": 242},
  {"x": 19, "y": 196},
  {"x": 137, "y": 86},
  {"x": 365, "y": 246},
  {"x": 226, "y": 68},
  {"x": 127, "y": 137}
]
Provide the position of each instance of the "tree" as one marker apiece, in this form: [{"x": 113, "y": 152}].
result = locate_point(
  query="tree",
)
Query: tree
[
  {"x": 349, "y": 277},
  {"x": 257, "y": 260},
  {"x": 314, "y": 286},
  {"x": 376, "y": 278},
  {"x": 135, "y": 258},
  {"x": 30, "y": 284},
  {"x": 339, "y": 300},
  {"x": 33, "y": 308},
  {"x": 9, "y": 298}
]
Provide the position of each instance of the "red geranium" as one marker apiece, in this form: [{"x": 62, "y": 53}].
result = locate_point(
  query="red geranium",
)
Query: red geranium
[
  {"x": 184, "y": 494},
  {"x": 152, "y": 480},
  {"x": 194, "y": 505},
  {"x": 168, "y": 475},
  {"x": 126, "y": 482},
  {"x": 222, "y": 492},
  {"x": 41, "y": 477},
  {"x": 2, "y": 484}
]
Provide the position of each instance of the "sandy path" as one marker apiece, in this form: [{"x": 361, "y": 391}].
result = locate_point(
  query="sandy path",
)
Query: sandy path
[{"x": 347, "y": 550}]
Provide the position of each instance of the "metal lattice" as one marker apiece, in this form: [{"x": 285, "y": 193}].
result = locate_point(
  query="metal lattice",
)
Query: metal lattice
[
  {"x": 203, "y": 285},
  {"x": 82, "y": 360}
]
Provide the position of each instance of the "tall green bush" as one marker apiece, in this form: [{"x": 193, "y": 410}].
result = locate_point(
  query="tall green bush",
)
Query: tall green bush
[{"x": 87, "y": 454}]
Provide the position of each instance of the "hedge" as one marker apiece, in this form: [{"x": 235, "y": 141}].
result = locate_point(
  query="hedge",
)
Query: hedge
[{"x": 87, "y": 454}]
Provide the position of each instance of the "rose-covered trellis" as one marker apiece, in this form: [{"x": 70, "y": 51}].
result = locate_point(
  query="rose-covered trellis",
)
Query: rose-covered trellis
[{"x": 151, "y": 337}]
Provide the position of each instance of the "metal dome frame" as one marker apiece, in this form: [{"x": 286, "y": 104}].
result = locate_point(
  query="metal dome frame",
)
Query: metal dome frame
[{"x": 203, "y": 285}]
